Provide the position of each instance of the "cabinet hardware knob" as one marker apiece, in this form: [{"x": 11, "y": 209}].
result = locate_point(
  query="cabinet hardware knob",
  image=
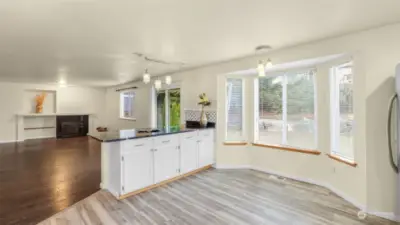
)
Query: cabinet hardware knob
[{"x": 165, "y": 141}]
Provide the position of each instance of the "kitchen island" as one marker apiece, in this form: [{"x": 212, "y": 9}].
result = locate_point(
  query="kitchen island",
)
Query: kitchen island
[{"x": 133, "y": 161}]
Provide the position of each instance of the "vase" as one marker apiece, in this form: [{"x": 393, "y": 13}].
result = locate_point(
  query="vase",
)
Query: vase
[
  {"x": 39, "y": 108},
  {"x": 203, "y": 119}
]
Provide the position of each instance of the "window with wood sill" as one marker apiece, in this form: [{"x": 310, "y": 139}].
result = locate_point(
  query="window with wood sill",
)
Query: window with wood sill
[
  {"x": 288, "y": 148},
  {"x": 342, "y": 160},
  {"x": 235, "y": 143},
  {"x": 342, "y": 113},
  {"x": 235, "y": 117},
  {"x": 285, "y": 111}
]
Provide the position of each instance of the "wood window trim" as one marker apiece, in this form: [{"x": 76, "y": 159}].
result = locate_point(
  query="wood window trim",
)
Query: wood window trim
[
  {"x": 339, "y": 159},
  {"x": 127, "y": 118},
  {"x": 227, "y": 143},
  {"x": 291, "y": 149}
]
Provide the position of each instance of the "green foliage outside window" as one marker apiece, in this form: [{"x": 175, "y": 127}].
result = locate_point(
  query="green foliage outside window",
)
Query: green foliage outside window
[
  {"x": 175, "y": 107},
  {"x": 174, "y": 110},
  {"x": 300, "y": 95}
]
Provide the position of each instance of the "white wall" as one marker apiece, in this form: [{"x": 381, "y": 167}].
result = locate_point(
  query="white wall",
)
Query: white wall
[
  {"x": 142, "y": 107},
  {"x": 191, "y": 84},
  {"x": 372, "y": 183},
  {"x": 72, "y": 99}
]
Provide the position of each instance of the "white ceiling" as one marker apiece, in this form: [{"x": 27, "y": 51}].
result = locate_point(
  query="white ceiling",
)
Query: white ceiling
[{"x": 91, "y": 42}]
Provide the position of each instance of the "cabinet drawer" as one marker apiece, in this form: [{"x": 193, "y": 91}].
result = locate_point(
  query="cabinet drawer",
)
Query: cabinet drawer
[
  {"x": 142, "y": 143},
  {"x": 167, "y": 140},
  {"x": 205, "y": 133},
  {"x": 189, "y": 135}
]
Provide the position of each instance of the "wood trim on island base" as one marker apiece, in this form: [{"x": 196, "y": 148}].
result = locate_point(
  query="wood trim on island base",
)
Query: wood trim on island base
[
  {"x": 337, "y": 158},
  {"x": 284, "y": 148},
  {"x": 164, "y": 182}
]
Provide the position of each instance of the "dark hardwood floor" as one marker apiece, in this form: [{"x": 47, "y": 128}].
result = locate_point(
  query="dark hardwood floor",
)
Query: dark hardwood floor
[{"x": 39, "y": 178}]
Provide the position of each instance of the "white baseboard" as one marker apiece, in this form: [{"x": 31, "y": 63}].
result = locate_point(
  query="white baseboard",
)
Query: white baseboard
[
  {"x": 362, "y": 207},
  {"x": 12, "y": 141},
  {"x": 40, "y": 137},
  {"x": 232, "y": 166},
  {"x": 306, "y": 180},
  {"x": 386, "y": 215},
  {"x": 33, "y": 138}
]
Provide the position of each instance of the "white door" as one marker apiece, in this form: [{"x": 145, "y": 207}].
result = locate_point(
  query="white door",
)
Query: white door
[
  {"x": 188, "y": 153},
  {"x": 166, "y": 163},
  {"x": 206, "y": 151},
  {"x": 137, "y": 169}
]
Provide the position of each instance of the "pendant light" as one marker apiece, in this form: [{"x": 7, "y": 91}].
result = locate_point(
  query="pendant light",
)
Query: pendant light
[
  {"x": 168, "y": 80},
  {"x": 146, "y": 77},
  {"x": 268, "y": 64},
  {"x": 261, "y": 69},
  {"x": 261, "y": 64},
  {"x": 157, "y": 84}
]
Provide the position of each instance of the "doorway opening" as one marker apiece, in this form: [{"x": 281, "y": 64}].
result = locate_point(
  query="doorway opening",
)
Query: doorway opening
[{"x": 168, "y": 106}]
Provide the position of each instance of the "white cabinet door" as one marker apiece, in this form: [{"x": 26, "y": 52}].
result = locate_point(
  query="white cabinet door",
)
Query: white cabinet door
[
  {"x": 206, "y": 149},
  {"x": 137, "y": 169},
  {"x": 166, "y": 163},
  {"x": 188, "y": 149}
]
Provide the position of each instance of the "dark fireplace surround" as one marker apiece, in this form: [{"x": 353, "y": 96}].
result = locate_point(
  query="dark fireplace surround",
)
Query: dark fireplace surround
[{"x": 72, "y": 126}]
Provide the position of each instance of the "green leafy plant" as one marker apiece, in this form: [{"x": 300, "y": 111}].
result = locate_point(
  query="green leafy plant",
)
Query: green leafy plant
[{"x": 204, "y": 100}]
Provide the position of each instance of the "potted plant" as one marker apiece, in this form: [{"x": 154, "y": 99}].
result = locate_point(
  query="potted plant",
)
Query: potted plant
[{"x": 203, "y": 102}]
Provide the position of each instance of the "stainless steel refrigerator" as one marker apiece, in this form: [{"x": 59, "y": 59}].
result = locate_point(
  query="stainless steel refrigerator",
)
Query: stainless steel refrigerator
[{"x": 394, "y": 134}]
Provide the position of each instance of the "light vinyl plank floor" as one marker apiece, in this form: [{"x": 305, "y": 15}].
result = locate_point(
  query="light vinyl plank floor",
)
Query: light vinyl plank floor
[{"x": 219, "y": 197}]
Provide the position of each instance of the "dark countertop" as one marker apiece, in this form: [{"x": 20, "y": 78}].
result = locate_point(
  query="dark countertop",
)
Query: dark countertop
[{"x": 120, "y": 135}]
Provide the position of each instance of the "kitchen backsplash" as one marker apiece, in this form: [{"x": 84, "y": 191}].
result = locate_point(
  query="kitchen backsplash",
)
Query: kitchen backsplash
[{"x": 194, "y": 115}]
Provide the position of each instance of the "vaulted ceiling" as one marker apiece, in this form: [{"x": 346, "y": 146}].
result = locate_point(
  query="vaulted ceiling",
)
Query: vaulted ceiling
[{"x": 91, "y": 42}]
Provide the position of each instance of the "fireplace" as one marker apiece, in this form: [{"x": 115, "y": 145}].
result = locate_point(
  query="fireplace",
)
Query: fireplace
[{"x": 72, "y": 126}]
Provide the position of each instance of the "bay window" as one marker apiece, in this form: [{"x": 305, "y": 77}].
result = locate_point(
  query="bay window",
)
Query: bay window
[
  {"x": 342, "y": 116},
  {"x": 285, "y": 109},
  {"x": 234, "y": 110}
]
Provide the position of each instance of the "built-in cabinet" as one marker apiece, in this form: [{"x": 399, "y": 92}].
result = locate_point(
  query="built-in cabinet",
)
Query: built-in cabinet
[
  {"x": 137, "y": 171},
  {"x": 189, "y": 152},
  {"x": 166, "y": 163},
  {"x": 206, "y": 149},
  {"x": 147, "y": 161}
]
